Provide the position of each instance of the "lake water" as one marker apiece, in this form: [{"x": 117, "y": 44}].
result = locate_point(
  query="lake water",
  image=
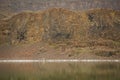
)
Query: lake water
[{"x": 60, "y": 71}]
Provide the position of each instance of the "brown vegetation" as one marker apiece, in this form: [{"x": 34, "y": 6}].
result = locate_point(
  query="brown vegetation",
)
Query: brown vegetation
[{"x": 94, "y": 29}]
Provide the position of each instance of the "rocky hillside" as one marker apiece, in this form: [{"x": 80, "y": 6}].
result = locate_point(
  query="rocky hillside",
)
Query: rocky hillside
[
  {"x": 61, "y": 33},
  {"x": 59, "y": 25}
]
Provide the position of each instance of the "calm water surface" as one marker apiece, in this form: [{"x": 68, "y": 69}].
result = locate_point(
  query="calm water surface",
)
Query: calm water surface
[{"x": 60, "y": 71}]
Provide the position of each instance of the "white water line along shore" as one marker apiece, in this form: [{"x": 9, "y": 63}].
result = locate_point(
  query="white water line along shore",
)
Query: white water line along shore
[{"x": 58, "y": 60}]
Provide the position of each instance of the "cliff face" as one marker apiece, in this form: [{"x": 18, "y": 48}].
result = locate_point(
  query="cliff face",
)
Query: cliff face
[{"x": 61, "y": 25}]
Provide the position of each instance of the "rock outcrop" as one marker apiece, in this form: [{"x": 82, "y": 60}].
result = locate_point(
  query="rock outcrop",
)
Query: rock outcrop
[{"x": 59, "y": 25}]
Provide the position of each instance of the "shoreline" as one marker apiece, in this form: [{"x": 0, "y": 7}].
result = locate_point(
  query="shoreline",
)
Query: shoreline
[{"x": 59, "y": 60}]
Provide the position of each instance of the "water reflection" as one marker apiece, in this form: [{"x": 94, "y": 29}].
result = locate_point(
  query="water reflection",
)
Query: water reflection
[{"x": 59, "y": 71}]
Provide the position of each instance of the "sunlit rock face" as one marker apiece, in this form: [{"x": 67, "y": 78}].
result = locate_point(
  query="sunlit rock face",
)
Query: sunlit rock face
[{"x": 61, "y": 25}]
